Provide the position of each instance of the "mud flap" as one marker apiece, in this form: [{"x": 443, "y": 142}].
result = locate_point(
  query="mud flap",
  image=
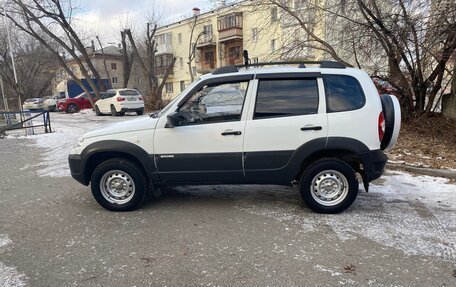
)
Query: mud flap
[{"x": 366, "y": 184}]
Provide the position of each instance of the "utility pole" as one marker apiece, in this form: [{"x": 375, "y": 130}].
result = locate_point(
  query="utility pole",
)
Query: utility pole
[
  {"x": 5, "y": 100},
  {"x": 10, "y": 48}
]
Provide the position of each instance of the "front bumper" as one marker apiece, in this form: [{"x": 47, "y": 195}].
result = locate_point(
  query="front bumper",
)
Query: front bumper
[{"x": 76, "y": 168}]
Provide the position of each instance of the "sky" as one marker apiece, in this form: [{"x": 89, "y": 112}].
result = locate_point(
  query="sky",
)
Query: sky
[{"x": 107, "y": 17}]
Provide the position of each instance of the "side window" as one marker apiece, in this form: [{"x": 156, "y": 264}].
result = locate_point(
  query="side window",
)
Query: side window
[
  {"x": 280, "y": 98},
  {"x": 215, "y": 103},
  {"x": 343, "y": 93}
]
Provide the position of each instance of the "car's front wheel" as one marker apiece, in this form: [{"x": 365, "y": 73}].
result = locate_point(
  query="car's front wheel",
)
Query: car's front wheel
[
  {"x": 329, "y": 186},
  {"x": 119, "y": 185}
]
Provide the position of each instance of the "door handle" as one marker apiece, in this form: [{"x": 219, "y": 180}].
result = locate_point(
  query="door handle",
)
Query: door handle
[
  {"x": 233, "y": 133},
  {"x": 312, "y": 128}
]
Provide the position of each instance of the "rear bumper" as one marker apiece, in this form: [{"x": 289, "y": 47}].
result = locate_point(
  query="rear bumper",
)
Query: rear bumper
[
  {"x": 374, "y": 163},
  {"x": 124, "y": 110},
  {"x": 76, "y": 168}
]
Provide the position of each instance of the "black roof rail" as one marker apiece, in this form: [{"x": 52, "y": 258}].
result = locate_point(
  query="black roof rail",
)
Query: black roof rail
[
  {"x": 302, "y": 64},
  {"x": 225, "y": 70}
]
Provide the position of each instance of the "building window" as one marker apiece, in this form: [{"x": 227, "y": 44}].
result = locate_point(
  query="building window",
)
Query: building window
[
  {"x": 234, "y": 52},
  {"x": 181, "y": 62},
  {"x": 194, "y": 71},
  {"x": 115, "y": 80},
  {"x": 274, "y": 14},
  {"x": 273, "y": 45},
  {"x": 254, "y": 34},
  {"x": 113, "y": 66},
  {"x": 165, "y": 39},
  {"x": 169, "y": 87},
  {"x": 207, "y": 30},
  {"x": 179, "y": 38},
  {"x": 182, "y": 86},
  {"x": 300, "y": 4}
]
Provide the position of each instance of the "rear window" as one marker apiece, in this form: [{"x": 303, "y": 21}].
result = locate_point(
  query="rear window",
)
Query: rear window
[
  {"x": 292, "y": 97},
  {"x": 129, "y": 93},
  {"x": 343, "y": 93}
]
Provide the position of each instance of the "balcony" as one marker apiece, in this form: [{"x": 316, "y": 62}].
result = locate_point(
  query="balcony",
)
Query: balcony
[
  {"x": 206, "y": 40},
  {"x": 230, "y": 27},
  {"x": 162, "y": 63},
  {"x": 164, "y": 43}
]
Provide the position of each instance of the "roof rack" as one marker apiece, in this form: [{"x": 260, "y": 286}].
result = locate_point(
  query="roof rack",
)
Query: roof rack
[{"x": 302, "y": 64}]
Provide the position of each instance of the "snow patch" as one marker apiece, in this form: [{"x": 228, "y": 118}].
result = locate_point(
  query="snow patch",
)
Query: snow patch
[
  {"x": 10, "y": 277},
  {"x": 4, "y": 240}
]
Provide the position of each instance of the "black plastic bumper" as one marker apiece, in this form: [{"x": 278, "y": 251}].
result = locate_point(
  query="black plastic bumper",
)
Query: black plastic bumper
[
  {"x": 76, "y": 168},
  {"x": 374, "y": 163},
  {"x": 125, "y": 110}
]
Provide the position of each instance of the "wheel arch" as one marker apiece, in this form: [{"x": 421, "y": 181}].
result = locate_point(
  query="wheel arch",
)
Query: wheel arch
[
  {"x": 348, "y": 150},
  {"x": 101, "y": 151}
]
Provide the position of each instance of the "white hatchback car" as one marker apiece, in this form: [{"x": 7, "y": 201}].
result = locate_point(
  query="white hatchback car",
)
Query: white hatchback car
[{"x": 119, "y": 101}]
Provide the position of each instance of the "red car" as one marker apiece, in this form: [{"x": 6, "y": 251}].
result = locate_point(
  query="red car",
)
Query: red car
[{"x": 73, "y": 105}]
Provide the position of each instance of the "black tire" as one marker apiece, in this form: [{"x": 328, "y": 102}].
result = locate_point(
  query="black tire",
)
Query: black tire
[
  {"x": 114, "y": 173},
  {"x": 72, "y": 108},
  {"x": 97, "y": 111},
  {"x": 388, "y": 114},
  {"x": 113, "y": 111},
  {"x": 140, "y": 112},
  {"x": 333, "y": 174}
]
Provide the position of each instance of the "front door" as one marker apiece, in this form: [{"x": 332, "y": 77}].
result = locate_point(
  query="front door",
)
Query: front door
[{"x": 206, "y": 146}]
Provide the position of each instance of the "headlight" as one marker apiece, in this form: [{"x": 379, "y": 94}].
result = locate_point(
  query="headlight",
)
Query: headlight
[{"x": 78, "y": 142}]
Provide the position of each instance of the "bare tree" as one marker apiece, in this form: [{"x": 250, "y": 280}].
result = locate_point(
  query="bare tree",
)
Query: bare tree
[
  {"x": 415, "y": 38},
  {"x": 50, "y": 22},
  {"x": 127, "y": 59},
  {"x": 192, "y": 46},
  {"x": 154, "y": 99},
  {"x": 105, "y": 65}
]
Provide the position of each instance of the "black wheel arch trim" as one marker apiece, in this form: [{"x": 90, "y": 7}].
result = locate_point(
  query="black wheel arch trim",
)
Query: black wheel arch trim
[{"x": 116, "y": 148}]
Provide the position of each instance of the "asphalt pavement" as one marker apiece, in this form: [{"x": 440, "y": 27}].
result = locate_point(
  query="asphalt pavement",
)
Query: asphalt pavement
[{"x": 55, "y": 234}]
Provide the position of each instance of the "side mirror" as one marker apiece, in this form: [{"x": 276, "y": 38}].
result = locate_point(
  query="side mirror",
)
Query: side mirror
[{"x": 177, "y": 119}]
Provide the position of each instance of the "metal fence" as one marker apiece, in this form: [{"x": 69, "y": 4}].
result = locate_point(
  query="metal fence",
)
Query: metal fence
[{"x": 26, "y": 120}]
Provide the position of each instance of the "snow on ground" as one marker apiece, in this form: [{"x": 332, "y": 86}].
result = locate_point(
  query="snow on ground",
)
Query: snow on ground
[
  {"x": 9, "y": 276},
  {"x": 414, "y": 214},
  {"x": 67, "y": 128}
]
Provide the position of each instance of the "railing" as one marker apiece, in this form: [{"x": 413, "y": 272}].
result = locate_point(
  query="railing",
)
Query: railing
[{"x": 24, "y": 120}]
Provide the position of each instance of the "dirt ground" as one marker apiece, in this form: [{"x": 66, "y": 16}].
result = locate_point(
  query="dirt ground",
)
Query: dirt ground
[{"x": 430, "y": 143}]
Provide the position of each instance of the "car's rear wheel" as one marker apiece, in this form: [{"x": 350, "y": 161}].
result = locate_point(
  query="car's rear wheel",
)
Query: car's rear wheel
[
  {"x": 140, "y": 112},
  {"x": 97, "y": 111},
  {"x": 118, "y": 185},
  {"x": 113, "y": 111},
  {"x": 72, "y": 108},
  {"x": 329, "y": 186}
]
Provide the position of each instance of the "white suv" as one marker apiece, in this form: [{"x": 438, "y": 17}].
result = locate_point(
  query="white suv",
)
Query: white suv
[
  {"x": 118, "y": 101},
  {"x": 316, "y": 127}
]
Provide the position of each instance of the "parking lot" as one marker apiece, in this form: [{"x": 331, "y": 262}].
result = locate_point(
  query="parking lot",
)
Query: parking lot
[{"x": 53, "y": 233}]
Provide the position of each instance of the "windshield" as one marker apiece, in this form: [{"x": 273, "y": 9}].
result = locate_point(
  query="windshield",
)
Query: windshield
[{"x": 168, "y": 106}]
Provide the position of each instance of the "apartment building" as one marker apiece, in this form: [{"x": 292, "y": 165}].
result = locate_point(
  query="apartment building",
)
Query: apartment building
[
  {"x": 113, "y": 70},
  {"x": 219, "y": 38}
]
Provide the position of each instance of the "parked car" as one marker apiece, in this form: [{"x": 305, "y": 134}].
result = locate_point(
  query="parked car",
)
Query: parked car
[
  {"x": 51, "y": 103},
  {"x": 34, "y": 104},
  {"x": 73, "y": 105},
  {"x": 119, "y": 101},
  {"x": 320, "y": 128}
]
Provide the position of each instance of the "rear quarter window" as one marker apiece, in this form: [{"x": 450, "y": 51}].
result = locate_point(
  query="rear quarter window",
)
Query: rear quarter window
[
  {"x": 286, "y": 97},
  {"x": 343, "y": 93}
]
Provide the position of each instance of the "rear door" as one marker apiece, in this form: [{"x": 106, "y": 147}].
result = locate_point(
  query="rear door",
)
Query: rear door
[{"x": 288, "y": 111}]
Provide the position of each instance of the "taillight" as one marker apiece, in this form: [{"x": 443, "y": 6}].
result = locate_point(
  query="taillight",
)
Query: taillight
[
  {"x": 120, "y": 99},
  {"x": 140, "y": 98},
  {"x": 381, "y": 126}
]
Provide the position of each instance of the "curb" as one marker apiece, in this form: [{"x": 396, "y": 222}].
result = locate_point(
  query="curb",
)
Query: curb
[{"x": 451, "y": 174}]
